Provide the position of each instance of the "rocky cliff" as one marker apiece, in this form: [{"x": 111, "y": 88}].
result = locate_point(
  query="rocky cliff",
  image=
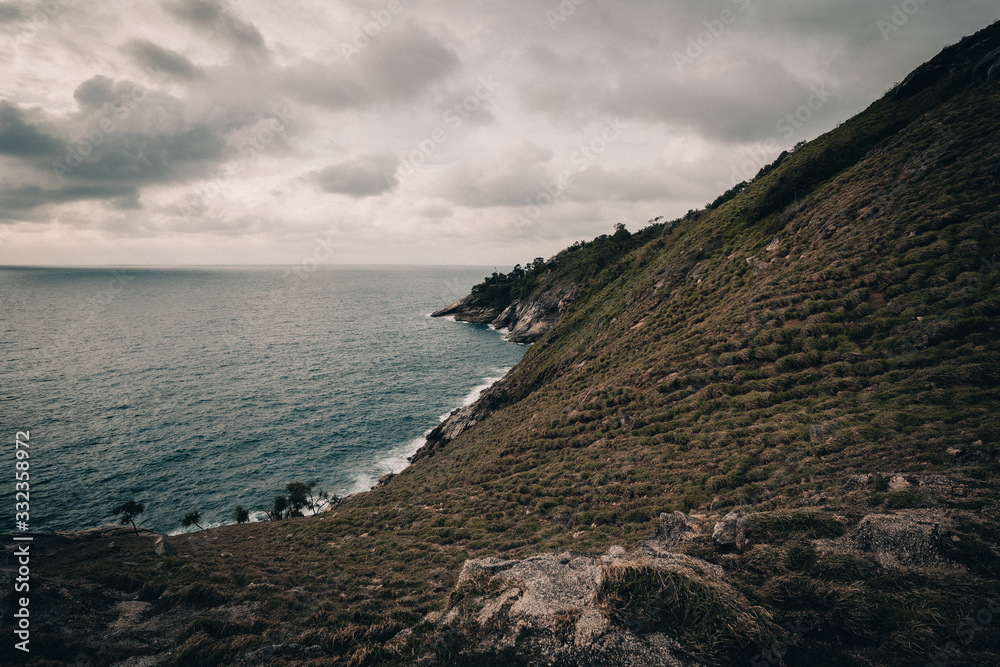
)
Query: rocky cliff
[{"x": 525, "y": 320}]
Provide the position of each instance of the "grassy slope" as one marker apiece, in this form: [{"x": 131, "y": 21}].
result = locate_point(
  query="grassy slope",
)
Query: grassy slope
[{"x": 711, "y": 369}]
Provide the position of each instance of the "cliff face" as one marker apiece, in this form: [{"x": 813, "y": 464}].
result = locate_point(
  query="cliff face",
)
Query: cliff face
[
  {"x": 525, "y": 319},
  {"x": 470, "y": 309}
]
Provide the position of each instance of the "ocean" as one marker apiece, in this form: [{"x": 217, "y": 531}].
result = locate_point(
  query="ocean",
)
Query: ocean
[{"x": 199, "y": 389}]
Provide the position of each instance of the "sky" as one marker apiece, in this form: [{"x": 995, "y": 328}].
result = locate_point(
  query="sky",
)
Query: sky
[{"x": 171, "y": 132}]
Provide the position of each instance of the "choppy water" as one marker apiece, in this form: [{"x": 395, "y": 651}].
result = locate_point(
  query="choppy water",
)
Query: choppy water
[{"x": 201, "y": 389}]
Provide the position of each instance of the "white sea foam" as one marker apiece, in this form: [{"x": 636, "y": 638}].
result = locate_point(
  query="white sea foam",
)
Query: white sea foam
[
  {"x": 398, "y": 458},
  {"x": 488, "y": 382}
]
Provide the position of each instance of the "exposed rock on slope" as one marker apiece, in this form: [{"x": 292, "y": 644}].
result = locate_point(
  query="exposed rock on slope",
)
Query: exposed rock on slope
[
  {"x": 560, "y": 608},
  {"x": 470, "y": 309},
  {"x": 460, "y": 420},
  {"x": 526, "y": 319}
]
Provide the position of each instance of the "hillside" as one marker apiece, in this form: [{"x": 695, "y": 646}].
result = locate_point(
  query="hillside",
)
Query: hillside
[
  {"x": 527, "y": 302},
  {"x": 766, "y": 434}
]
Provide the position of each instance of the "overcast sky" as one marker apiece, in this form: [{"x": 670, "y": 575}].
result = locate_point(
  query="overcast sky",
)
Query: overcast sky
[{"x": 414, "y": 131}]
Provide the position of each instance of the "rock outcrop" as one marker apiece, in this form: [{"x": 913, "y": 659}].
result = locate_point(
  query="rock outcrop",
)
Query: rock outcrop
[
  {"x": 470, "y": 309},
  {"x": 529, "y": 319},
  {"x": 546, "y": 610},
  {"x": 673, "y": 530},
  {"x": 903, "y": 539},
  {"x": 730, "y": 533},
  {"x": 571, "y": 609},
  {"x": 164, "y": 548},
  {"x": 525, "y": 319},
  {"x": 460, "y": 420}
]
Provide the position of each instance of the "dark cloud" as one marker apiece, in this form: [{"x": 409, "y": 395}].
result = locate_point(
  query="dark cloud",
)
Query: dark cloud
[
  {"x": 156, "y": 58},
  {"x": 122, "y": 138},
  {"x": 11, "y": 11},
  {"x": 215, "y": 18},
  {"x": 22, "y": 138},
  {"x": 364, "y": 176},
  {"x": 99, "y": 90},
  {"x": 28, "y": 197},
  {"x": 129, "y": 202}
]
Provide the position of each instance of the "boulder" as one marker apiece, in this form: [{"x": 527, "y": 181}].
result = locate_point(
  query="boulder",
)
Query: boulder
[
  {"x": 546, "y": 609},
  {"x": 901, "y": 539},
  {"x": 163, "y": 547},
  {"x": 730, "y": 533},
  {"x": 989, "y": 66},
  {"x": 549, "y": 583}
]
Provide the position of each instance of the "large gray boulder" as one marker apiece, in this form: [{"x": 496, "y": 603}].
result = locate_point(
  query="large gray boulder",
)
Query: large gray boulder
[
  {"x": 547, "y": 608},
  {"x": 901, "y": 539}
]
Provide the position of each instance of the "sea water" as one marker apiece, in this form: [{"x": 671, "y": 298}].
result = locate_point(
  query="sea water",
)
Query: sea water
[{"x": 199, "y": 389}]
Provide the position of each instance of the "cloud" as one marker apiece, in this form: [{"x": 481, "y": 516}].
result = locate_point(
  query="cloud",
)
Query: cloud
[
  {"x": 598, "y": 184},
  {"x": 364, "y": 176},
  {"x": 735, "y": 96},
  {"x": 216, "y": 19},
  {"x": 10, "y": 11},
  {"x": 400, "y": 67},
  {"x": 153, "y": 57},
  {"x": 23, "y": 138},
  {"x": 512, "y": 178},
  {"x": 27, "y": 197},
  {"x": 122, "y": 137},
  {"x": 180, "y": 118}
]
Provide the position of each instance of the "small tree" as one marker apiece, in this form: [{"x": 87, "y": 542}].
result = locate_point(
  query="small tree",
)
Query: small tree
[
  {"x": 241, "y": 515},
  {"x": 300, "y": 495},
  {"x": 278, "y": 508},
  {"x": 191, "y": 519},
  {"x": 128, "y": 511}
]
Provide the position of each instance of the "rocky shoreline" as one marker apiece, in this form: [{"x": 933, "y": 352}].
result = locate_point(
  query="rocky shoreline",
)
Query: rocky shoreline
[{"x": 526, "y": 320}]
